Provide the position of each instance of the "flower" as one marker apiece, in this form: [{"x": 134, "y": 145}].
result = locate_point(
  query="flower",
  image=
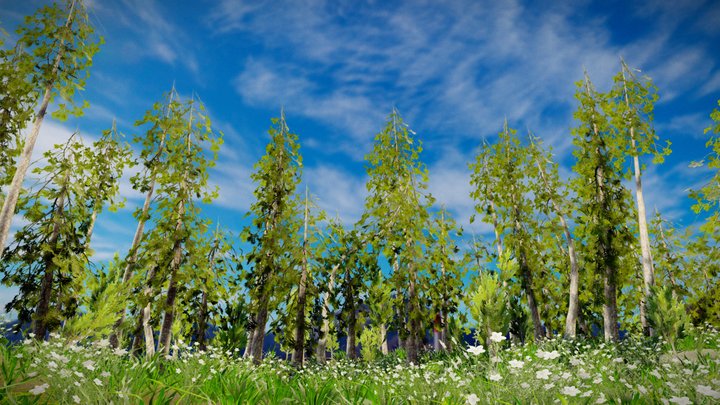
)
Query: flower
[
  {"x": 98, "y": 382},
  {"x": 524, "y": 385},
  {"x": 494, "y": 377},
  {"x": 105, "y": 374},
  {"x": 476, "y": 350},
  {"x": 681, "y": 400},
  {"x": 89, "y": 364},
  {"x": 543, "y": 374},
  {"x": 76, "y": 399},
  {"x": 570, "y": 391},
  {"x": 39, "y": 389},
  {"x": 472, "y": 399},
  {"x": 548, "y": 355},
  {"x": 601, "y": 399},
  {"x": 497, "y": 337},
  {"x": 517, "y": 363},
  {"x": 705, "y": 390}
]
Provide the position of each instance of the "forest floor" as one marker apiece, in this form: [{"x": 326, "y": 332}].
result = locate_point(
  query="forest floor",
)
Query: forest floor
[{"x": 636, "y": 370}]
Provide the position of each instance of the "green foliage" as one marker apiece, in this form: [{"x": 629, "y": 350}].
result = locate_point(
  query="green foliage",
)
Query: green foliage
[
  {"x": 488, "y": 305},
  {"x": 667, "y": 314},
  {"x": 60, "y": 44},
  {"x": 708, "y": 197},
  {"x": 370, "y": 340},
  {"x": 103, "y": 296},
  {"x": 54, "y": 242}
]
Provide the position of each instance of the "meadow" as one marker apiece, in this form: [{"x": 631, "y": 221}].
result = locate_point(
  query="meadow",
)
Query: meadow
[{"x": 635, "y": 370}]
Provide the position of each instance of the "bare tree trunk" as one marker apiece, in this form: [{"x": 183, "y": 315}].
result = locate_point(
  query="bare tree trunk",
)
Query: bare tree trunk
[
  {"x": 299, "y": 348},
  {"x": 169, "y": 316},
  {"x": 8, "y": 208}
]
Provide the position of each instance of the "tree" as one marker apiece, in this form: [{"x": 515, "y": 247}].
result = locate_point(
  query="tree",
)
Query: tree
[
  {"x": 632, "y": 115},
  {"x": 274, "y": 228},
  {"x": 552, "y": 198},
  {"x": 396, "y": 212},
  {"x": 602, "y": 200},
  {"x": 308, "y": 260},
  {"x": 60, "y": 45},
  {"x": 190, "y": 150},
  {"x": 446, "y": 276},
  {"x": 48, "y": 254},
  {"x": 500, "y": 185}
]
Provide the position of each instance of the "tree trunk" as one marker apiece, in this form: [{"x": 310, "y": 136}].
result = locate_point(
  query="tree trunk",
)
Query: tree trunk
[
  {"x": 259, "y": 334},
  {"x": 299, "y": 348},
  {"x": 412, "y": 344},
  {"x": 321, "y": 350},
  {"x": 437, "y": 332},
  {"x": 169, "y": 317},
  {"x": 8, "y": 208},
  {"x": 351, "y": 346},
  {"x": 647, "y": 261},
  {"x": 202, "y": 322},
  {"x": 384, "y": 344}
]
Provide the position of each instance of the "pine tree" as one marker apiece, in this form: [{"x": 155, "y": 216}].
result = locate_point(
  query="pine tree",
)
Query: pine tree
[
  {"x": 274, "y": 229},
  {"x": 190, "y": 150},
  {"x": 59, "y": 46},
  {"x": 500, "y": 190},
  {"x": 632, "y": 121},
  {"x": 551, "y": 196},
  {"x": 602, "y": 200},
  {"x": 49, "y": 254},
  {"x": 396, "y": 212}
]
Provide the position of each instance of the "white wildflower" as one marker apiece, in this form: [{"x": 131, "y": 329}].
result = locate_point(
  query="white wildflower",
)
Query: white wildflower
[
  {"x": 472, "y": 399},
  {"x": 494, "y": 377},
  {"x": 705, "y": 390},
  {"x": 476, "y": 350},
  {"x": 517, "y": 363},
  {"x": 570, "y": 391},
  {"x": 543, "y": 374},
  {"x": 681, "y": 400},
  {"x": 98, "y": 382},
  {"x": 39, "y": 389},
  {"x": 497, "y": 337}
]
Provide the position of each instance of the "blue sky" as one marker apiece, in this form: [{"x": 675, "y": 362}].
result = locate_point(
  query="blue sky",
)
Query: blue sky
[{"x": 455, "y": 70}]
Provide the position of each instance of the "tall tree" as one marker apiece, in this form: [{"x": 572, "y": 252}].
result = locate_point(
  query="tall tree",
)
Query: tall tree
[
  {"x": 190, "y": 150},
  {"x": 397, "y": 209},
  {"x": 274, "y": 229},
  {"x": 552, "y": 197},
  {"x": 446, "y": 276},
  {"x": 49, "y": 254},
  {"x": 60, "y": 44},
  {"x": 632, "y": 118},
  {"x": 602, "y": 199},
  {"x": 502, "y": 171}
]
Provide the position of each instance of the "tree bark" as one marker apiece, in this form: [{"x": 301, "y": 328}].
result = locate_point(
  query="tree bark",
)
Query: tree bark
[
  {"x": 384, "y": 344},
  {"x": 8, "y": 208},
  {"x": 259, "y": 334},
  {"x": 299, "y": 348},
  {"x": 647, "y": 261}
]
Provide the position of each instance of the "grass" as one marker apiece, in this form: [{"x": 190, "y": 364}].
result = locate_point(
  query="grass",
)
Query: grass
[{"x": 636, "y": 370}]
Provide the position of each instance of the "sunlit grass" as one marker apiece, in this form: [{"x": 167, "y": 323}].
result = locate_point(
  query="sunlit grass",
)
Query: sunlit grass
[{"x": 637, "y": 370}]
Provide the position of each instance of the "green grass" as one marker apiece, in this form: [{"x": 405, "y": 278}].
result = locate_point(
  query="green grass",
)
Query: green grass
[{"x": 636, "y": 370}]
